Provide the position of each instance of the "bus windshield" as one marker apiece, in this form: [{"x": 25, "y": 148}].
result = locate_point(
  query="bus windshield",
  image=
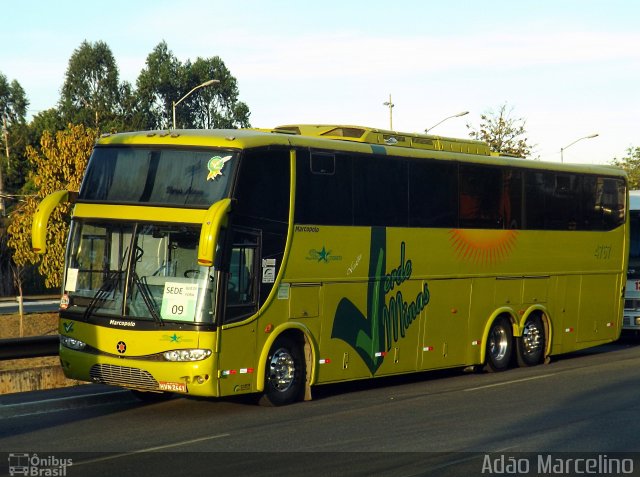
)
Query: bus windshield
[
  {"x": 137, "y": 271},
  {"x": 134, "y": 175}
]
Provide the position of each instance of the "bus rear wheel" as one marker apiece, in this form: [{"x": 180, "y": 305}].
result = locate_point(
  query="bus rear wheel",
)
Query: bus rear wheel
[
  {"x": 499, "y": 345},
  {"x": 285, "y": 373},
  {"x": 531, "y": 344}
]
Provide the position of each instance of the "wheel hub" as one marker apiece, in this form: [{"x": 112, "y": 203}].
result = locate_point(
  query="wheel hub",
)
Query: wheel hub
[
  {"x": 531, "y": 338},
  {"x": 498, "y": 344},
  {"x": 282, "y": 370}
]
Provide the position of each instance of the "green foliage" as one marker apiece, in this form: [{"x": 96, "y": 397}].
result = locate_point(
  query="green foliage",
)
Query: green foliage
[
  {"x": 216, "y": 106},
  {"x": 13, "y": 108},
  {"x": 91, "y": 90},
  {"x": 58, "y": 165},
  {"x": 502, "y": 132},
  {"x": 166, "y": 80},
  {"x": 157, "y": 86},
  {"x": 631, "y": 164}
]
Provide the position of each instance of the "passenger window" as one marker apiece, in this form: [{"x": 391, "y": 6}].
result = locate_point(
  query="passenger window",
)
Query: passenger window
[
  {"x": 242, "y": 296},
  {"x": 479, "y": 197}
]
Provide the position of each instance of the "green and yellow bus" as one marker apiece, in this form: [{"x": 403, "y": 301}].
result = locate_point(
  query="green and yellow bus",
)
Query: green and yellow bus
[{"x": 224, "y": 262}]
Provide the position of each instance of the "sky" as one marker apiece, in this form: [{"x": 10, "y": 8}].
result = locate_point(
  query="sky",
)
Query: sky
[{"x": 569, "y": 68}]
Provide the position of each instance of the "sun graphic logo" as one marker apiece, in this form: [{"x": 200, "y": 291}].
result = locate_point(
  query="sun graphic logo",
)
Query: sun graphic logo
[{"x": 483, "y": 247}]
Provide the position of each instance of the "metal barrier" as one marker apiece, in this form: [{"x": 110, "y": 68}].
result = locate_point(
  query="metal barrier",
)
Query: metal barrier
[{"x": 30, "y": 347}]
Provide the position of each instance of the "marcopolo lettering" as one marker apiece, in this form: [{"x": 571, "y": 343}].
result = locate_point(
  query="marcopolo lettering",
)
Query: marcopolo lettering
[
  {"x": 122, "y": 323},
  {"x": 306, "y": 228}
]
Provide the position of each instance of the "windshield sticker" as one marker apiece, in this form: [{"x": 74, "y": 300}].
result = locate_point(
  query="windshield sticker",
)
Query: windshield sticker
[
  {"x": 268, "y": 270},
  {"x": 64, "y": 302},
  {"x": 283, "y": 291},
  {"x": 72, "y": 279},
  {"x": 179, "y": 301},
  {"x": 215, "y": 165}
]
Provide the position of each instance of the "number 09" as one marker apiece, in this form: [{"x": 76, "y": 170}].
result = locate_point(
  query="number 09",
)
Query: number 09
[{"x": 177, "y": 310}]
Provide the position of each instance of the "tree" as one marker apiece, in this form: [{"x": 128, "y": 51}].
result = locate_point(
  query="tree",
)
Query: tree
[
  {"x": 59, "y": 165},
  {"x": 13, "y": 109},
  {"x": 631, "y": 164},
  {"x": 91, "y": 92},
  {"x": 504, "y": 133},
  {"x": 216, "y": 106},
  {"x": 166, "y": 80},
  {"x": 158, "y": 85}
]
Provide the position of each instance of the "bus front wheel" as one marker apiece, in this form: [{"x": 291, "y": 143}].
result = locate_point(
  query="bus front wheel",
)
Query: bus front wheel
[
  {"x": 499, "y": 345},
  {"x": 285, "y": 373},
  {"x": 532, "y": 342}
]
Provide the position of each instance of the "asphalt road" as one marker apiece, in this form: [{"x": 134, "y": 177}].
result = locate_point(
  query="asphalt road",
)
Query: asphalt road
[{"x": 583, "y": 405}]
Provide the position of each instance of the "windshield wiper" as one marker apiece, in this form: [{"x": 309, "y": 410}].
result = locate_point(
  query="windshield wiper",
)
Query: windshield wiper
[
  {"x": 109, "y": 284},
  {"x": 147, "y": 298}
]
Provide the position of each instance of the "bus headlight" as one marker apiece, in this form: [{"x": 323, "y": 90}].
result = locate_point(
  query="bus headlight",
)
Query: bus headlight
[
  {"x": 187, "y": 354},
  {"x": 72, "y": 343}
]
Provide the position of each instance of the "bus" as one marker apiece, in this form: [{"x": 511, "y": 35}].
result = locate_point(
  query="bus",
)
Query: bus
[
  {"x": 632, "y": 294},
  {"x": 269, "y": 261}
]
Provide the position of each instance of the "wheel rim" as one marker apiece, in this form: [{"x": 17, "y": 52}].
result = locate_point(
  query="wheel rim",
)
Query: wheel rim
[
  {"x": 282, "y": 369},
  {"x": 498, "y": 343},
  {"x": 531, "y": 337}
]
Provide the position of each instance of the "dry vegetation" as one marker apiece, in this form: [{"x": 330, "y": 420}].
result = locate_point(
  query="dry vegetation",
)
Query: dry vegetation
[{"x": 34, "y": 324}]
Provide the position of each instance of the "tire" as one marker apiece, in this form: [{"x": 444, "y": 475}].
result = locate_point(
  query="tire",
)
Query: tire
[
  {"x": 499, "y": 345},
  {"x": 532, "y": 343},
  {"x": 284, "y": 373}
]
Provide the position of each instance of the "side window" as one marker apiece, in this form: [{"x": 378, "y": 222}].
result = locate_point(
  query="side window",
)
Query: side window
[
  {"x": 263, "y": 186},
  {"x": 535, "y": 184},
  {"x": 433, "y": 194},
  {"x": 480, "y": 197},
  {"x": 563, "y": 202},
  {"x": 510, "y": 207},
  {"x": 323, "y": 189},
  {"x": 242, "y": 284},
  {"x": 380, "y": 191},
  {"x": 262, "y": 204},
  {"x": 604, "y": 200}
]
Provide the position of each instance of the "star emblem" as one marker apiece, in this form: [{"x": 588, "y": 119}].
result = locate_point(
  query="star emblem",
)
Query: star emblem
[{"x": 323, "y": 255}]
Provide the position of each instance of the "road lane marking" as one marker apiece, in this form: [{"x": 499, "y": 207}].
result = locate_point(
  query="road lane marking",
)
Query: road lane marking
[
  {"x": 149, "y": 449},
  {"x": 511, "y": 382}
]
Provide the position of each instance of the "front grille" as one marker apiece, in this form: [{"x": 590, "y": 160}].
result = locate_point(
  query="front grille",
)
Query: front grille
[{"x": 122, "y": 376}]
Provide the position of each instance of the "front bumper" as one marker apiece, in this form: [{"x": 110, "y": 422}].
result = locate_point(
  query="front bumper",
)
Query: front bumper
[{"x": 197, "y": 378}]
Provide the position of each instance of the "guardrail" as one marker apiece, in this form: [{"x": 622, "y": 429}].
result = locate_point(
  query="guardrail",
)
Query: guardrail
[{"x": 30, "y": 347}]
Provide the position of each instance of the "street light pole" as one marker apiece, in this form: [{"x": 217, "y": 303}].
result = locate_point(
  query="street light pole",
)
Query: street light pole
[
  {"x": 391, "y": 105},
  {"x": 463, "y": 113},
  {"x": 590, "y": 136},
  {"x": 176, "y": 103}
]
